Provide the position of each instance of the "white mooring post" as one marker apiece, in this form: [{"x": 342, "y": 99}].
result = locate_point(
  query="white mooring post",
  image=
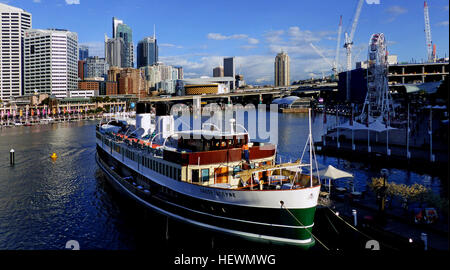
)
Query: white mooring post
[
  {"x": 424, "y": 238},
  {"x": 355, "y": 217},
  {"x": 11, "y": 156}
]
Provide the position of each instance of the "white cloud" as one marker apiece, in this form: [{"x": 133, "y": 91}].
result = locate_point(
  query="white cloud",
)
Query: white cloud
[
  {"x": 274, "y": 36},
  {"x": 248, "y": 47},
  {"x": 217, "y": 36},
  {"x": 396, "y": 10},
  {"x": 446, "y": 8},
  {"x": 253, "y": 41},
  {"x": 36, "y": 1},
  {"x": 170, "y": 45},
  {"x": 73, "y": 2},
  {"x": 444, "y": 23}
]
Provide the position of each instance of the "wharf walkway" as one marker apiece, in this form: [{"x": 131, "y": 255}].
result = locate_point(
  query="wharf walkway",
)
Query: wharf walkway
[
  {"x": 398, "y": 226},
  {"x": 48, "y": 120}
]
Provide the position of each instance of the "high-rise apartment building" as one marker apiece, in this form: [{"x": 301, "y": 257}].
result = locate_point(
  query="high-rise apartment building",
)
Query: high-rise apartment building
[
  {"x": 50, "y": 62},
  {"x": 282, "y": 70},
  {"x": 131, "y": 81},
  {"x": 229, "y": 69},
  {"x": 180, "y": 72},
  {"x": 14, "y": 22},
  {"x": 218, "y": 71},
  {"x": 96, "y": 67},
  {"x": 83, "y": 52},
  {"x": 147, "y": 52},
  {"x": 152, "y": 75}
]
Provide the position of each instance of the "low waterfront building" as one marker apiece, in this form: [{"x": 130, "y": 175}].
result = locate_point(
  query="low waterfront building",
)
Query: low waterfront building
[
  {"x": 211, "y": 88},
  {"x": 84, "y": 93}
]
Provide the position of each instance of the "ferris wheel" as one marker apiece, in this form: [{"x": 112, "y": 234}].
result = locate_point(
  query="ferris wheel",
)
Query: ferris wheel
[{"x": 378, "y": 102}]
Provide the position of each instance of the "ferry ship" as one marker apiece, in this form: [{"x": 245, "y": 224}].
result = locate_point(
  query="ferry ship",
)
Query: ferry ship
[{"x": 218, "y": 180}]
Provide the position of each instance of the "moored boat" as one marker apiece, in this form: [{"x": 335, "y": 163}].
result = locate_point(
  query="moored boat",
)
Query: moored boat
[{"x": 218, "y": 180}]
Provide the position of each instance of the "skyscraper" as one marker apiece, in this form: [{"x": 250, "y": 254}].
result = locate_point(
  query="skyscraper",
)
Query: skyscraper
[
  {"x": 119, "y": 50},
  {"x": 282, "y": 70},
  {"x": 14, "y": 22},
  {"x": 83, "y": 52},
  {"x": 147, "y": 52},
  {"x": 229, "y": 69},
  {"x": 51, "y": 61},
  {"x": 114, "y": 51},
  {"x": 218, "y": 71},
  {"x": 96, "y": 67},
  {"x": 124, "y": 31},
  {"x": 115, "y": 23}
]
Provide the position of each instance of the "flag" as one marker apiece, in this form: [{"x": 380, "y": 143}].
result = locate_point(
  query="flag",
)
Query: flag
[
  {"x": 64, "y": 110},
  {"x": 54, "y": 111},
  {"x": 9, "y": 113},
  {"x": 2, "y": 114},
  {"x": 37, "y": 112},
  {"x": 20, "y": 113},
  {"x": 59, "y": 110},
  {"x": 14, "y": 113},
  {"x": 48, "y": 111},
  {"x": 32, "y": 112}
]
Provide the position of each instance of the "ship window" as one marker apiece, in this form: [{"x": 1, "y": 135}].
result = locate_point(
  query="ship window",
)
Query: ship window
[
  {"x": 205, "y": 175},
  {"x": 171, "y": 172},
  {"x": 195, "y": 176},
  {"x": 179, "y": 174},
  {"x": 166, "y": 170}
]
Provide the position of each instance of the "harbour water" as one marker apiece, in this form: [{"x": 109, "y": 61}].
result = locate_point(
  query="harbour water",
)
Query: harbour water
[{"x": 44, "y": 202}]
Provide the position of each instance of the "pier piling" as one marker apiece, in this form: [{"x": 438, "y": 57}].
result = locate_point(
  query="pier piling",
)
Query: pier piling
[
  {"x": 11, "y": 157},
  {"x": 355, "y": 217},
  {"x": 424, "y": 238}
]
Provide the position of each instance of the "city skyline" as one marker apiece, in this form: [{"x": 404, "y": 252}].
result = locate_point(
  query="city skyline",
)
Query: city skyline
[{"x": 255, "y": 36}]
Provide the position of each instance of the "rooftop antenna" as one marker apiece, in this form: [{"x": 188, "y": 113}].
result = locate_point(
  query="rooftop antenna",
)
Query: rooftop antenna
[{"x": 154, "y": 31}]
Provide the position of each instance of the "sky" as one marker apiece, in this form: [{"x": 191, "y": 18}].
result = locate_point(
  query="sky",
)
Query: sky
[{"x": 197, "y": 34}]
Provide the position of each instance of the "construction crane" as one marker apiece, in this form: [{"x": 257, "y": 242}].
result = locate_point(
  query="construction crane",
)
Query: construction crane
[
  {"x": 336, "y": 60},
  {"x": 431, "y": 50},
  {"x": 348, "y": 45},
  {"x": 349, "y": 38},
  {"x": 321, "y": 54},
  {"x": 334, "y": 65}
]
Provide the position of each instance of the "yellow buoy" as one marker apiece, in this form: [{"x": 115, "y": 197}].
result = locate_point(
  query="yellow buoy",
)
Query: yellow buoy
[{"x": 54, "y": 156}]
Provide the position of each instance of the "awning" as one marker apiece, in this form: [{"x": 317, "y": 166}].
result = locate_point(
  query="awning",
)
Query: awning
[
  {"x": 429, "y": 87},
  {"x": 333, "y": 173}
]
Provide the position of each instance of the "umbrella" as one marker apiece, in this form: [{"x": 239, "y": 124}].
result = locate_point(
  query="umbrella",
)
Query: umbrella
[
  {"x": 332, "y": 173},
  {"x": 355, "y": 126}
]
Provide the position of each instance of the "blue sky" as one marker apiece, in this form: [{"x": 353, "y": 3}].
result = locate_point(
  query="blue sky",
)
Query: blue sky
[{"x": 197, "y": 34}]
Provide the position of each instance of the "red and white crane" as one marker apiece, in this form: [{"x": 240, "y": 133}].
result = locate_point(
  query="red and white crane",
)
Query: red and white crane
[{"x": 431, "y": 49}]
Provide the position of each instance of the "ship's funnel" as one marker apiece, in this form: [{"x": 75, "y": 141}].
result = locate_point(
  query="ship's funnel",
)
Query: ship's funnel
[{"x": 144, "y": 119}]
